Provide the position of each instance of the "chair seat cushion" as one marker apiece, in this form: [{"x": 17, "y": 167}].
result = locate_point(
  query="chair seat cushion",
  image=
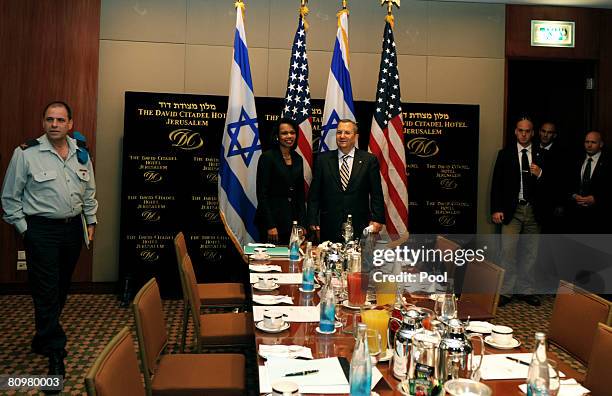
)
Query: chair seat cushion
[
  {"x": 227, "y": 328},
  {"x": 198, "y": 374},
  {"x": 221, "y": 293}
]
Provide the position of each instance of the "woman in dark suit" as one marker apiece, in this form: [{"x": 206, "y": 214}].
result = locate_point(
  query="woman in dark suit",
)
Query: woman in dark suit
[{"x": 280, "y": 185}]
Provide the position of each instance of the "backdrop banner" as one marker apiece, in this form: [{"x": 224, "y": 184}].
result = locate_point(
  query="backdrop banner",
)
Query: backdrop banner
[{"x": 171, "y": 149}]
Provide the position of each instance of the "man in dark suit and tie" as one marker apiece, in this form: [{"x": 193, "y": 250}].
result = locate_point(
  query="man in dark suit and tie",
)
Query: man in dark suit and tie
[
  {"x": 346, "y": 181},
  {"x": 591, "y": 192},
  {"x": 515, "y": 200}
]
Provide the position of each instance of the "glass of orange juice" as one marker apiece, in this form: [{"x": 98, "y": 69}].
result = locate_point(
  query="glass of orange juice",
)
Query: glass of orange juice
[
  {"x": 378, "y": 319},
  {"x": 385, "y": 293}
]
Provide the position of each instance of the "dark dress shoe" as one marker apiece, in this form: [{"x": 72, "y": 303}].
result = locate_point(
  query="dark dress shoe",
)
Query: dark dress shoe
[
  {"x": 503, "y": 300},
  {"x": 530, "y": 299},
  {"x": 56, "y": 363}
]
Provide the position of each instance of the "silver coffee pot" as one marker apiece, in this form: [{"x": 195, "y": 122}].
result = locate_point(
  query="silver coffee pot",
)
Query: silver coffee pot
[
  {"x": 457, "y": 353},
  {"x": 401, "y": 341}
]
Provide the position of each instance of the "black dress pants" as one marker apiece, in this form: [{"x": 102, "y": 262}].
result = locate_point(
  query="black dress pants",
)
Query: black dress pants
[{"x": 52, "y": 251}]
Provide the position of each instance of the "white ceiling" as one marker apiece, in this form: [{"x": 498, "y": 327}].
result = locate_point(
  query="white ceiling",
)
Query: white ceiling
[{"x": 572, "y": 3}]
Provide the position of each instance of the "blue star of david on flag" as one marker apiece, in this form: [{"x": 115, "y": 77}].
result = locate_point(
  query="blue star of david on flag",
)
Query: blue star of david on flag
[
  {"x": 332, "y": 124},
  {"x": 233, "y": 129}
]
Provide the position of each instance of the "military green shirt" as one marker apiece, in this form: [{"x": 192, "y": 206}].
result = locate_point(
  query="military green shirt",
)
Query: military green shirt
[{"x": 39, "y": 182}]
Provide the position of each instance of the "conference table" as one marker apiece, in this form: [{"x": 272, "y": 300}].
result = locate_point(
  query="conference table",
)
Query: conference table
[{"x": 341, "y": 344}]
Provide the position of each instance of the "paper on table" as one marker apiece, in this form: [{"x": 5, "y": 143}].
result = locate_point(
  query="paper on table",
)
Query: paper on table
[
  {"x": 294, "y": 313},
  {"x": 281, "y": 279},
  {"x": 264, "y": 268},
  {"x": 569, "y": 387},
  {"x": 498, "y": 367},
  {"x": 284, "y": 351},
  {"x": 330, "y": 372},
  {"x": 267, "y": 299}
]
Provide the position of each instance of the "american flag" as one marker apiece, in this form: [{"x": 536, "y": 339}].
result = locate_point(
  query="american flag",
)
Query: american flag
[
  {"x": 297, "y": 99},
  {"x": 387, "y": 139}
]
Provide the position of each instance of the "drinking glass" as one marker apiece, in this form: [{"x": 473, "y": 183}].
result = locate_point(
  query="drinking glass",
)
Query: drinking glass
[
  {"x": 374, "y": 344},
  {"x": 554, "y": 381},
  {"x": 446, "y": 307}
]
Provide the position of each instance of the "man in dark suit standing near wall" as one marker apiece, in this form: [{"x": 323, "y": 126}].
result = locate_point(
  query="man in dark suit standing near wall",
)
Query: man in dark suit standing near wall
[
  {"x": 515, "y": 192},
  {"x": 346, "y": 181},
  {"x": 591, "y": 192}
]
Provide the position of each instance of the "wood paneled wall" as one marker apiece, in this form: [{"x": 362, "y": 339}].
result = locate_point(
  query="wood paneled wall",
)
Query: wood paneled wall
[
  {"x": 605, "y": 78},
  {"x": 49, "y": 52}
]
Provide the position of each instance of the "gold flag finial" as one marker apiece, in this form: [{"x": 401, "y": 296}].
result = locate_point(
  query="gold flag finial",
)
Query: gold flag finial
[
  {"x": 239, "y": 4},
  {"x": 303, "y": 12},
  {"x": 389, "y": 18},
  {"x": 344, "y": 4}
]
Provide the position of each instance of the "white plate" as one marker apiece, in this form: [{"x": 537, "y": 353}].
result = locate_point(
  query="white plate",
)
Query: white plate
[
  {"x": 260, "y": 258},
  {"x": 257, "y": 287},
  {"x": 514, "y": 344},
  {"x": 318, "y": 330},
  {"x": 480, "y": 327},
  {"x": 260, "y": 326},
  {"x": 309, "y": 291},
  {"x": 388, "y": 354},
  {"x": 268, "y": 299},
  {"x": 346, "y": 304}
]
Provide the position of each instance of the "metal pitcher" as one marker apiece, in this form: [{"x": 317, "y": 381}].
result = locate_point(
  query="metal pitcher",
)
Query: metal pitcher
[
  {"x": 400, "y": 341},
  {"x": 423, "y": 375},
  {"x": 457, "y": 353}
]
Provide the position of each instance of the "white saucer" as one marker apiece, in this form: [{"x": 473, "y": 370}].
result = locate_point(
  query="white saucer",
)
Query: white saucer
[
  {"x": 257, "y": 287},
  {"x": 388, "y": 355},
  {"x": 309, "y": 291},
  {"x": 514, "y": 344},
  {"x": 480, "y": 327},
  {"x": 318, "y": 330},
  {"x": 260, "y": 258},
  {"x": 346, "y": 304},
  {"x": 260, "y": 326}
]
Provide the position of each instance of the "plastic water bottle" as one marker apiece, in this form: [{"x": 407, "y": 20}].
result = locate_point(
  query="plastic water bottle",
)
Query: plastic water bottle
[
  {"x": 538, "y": 377},
  {"x": 327, "y": 320},
  {"x": 360, "y": 377},
  {"x": 294, "y": 243},
  {"x": 308, "y": 270}
]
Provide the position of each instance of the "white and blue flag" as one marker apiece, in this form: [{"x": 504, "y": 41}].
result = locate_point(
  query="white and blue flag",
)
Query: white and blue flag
[
  {"x": 240, "y": 147},
  {"x": 339, "y": 96}
]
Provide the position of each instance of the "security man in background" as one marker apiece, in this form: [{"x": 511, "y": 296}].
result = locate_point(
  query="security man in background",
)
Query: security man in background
[{"x": 49, "y": 196}]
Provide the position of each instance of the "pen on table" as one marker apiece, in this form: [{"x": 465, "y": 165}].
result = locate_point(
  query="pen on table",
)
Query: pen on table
[
  {"x": 301, "y": 373},
  {"x": 517, "y": 360}
]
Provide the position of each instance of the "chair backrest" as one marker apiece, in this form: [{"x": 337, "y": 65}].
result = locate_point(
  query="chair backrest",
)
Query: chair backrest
[
  {"x": 444, "y": 244},
  {"x": 180, "y": 248},
  {"x": 193, "y": 296},
  {"x": 482, "y": 285},
  {"x": 599, "y": 372},
  {"x": 574, "y": 319},
  {"x": 115, "y": 371},
  {"x": 150, "y": 328}
]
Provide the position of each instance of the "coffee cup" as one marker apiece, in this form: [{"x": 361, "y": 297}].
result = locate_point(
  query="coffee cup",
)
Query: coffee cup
[
  {"x": 502, "y": 335},
  {"x": 273, "y": 319},
  {"x": 266, "y": 283},
  {"x": 285, "y": 388},
  {"x": 259, "y": 252}
]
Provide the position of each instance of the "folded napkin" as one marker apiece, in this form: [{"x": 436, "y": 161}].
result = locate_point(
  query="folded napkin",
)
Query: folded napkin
[
  {"x": 284, "y": 351},
  {"x": 265, "y": 268},
  {"x": 569, "y": 387},
  {"x": 268, "y": 299}
]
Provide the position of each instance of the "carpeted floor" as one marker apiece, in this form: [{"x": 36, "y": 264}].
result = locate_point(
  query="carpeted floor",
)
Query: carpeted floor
[{"x": 90, "y": 321}]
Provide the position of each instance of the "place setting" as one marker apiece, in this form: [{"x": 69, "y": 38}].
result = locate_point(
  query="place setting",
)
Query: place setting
[
  {"x": 266, "y": 284},
  {"x": 273, "y": 322},
  {"x": 502, "y": 337}
]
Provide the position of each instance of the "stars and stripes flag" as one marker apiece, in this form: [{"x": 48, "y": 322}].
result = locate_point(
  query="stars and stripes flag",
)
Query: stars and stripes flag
[
  {"x": 240, "y": 147},
  {"x": 339, "y": 97},
  {"x": 297, "y": 99},
  {"x": 387, "y": 138}
]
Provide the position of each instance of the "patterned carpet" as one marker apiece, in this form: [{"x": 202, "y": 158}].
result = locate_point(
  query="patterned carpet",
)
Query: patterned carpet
[{"x": 90, "y": 321}]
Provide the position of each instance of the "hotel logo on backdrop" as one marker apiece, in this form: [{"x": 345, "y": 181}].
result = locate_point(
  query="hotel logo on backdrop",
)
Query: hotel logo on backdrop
[
  {"x": 186, "y": 139},
  {"x": 552, "y": 34}
]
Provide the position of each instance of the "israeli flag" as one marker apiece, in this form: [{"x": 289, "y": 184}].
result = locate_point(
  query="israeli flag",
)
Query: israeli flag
[
  {"x": 240, "y": 147},
  {"x": 339, "y": 97}
]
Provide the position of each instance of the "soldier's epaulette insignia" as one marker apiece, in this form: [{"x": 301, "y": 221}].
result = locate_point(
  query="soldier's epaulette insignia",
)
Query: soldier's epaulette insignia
[{"x": 29, "y": 143}]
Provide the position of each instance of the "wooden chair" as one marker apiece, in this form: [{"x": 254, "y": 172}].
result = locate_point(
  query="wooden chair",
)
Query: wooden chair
[
  {"x": 444, "y": 244},
  {"x": 599, "y": 372},
  {"x": 115, "y": 371},
  {"x": 213, "y": 295},
  {"x": 180, "y": 374},
  {"x": 574, "y": 320},
  {"x": 218, "y": 329},
  {"x": 482, "y": 285}
]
